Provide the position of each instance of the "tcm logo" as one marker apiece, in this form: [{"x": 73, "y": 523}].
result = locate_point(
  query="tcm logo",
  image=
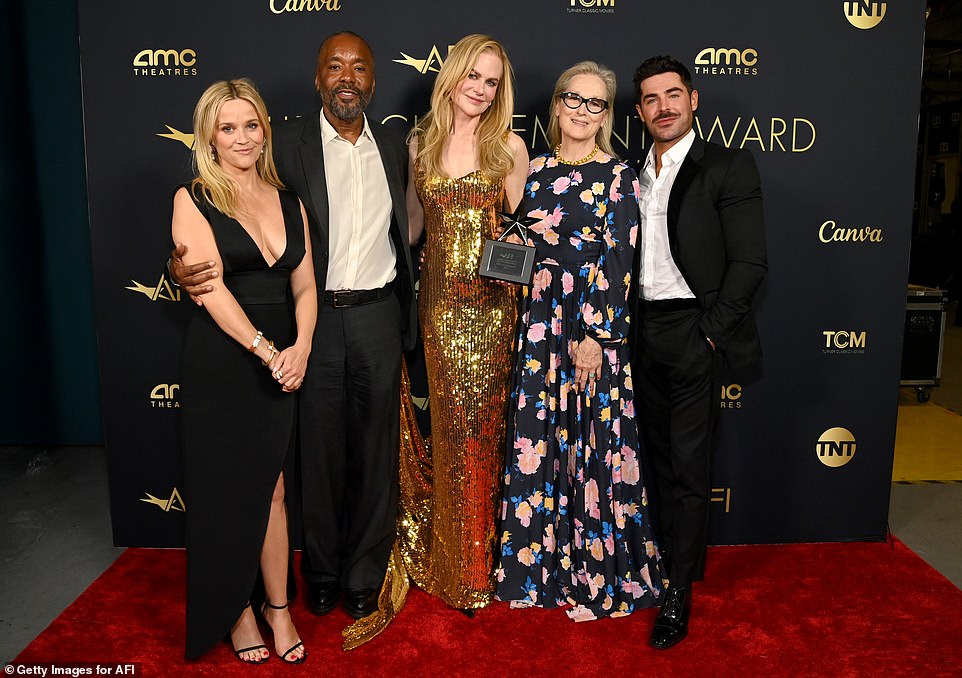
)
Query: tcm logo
[
  {"x": 829, "y": 231},
  {"x": 163, "y": 396},
  {"x": 162, "y": 291},
  {"x": 281, "y": 6},
  {"x": 835, "y": 447},
  {"x": 864, "y": 14},
  {"x": 172, "y": 503},
  {"x": 592, "y": 6},
  {"x": 154, "y": 62},
  {"x": 731, "y": 397},
  {"x": 844, "y": 341},
  {"x": 726, "y": 61},
  {"x": 430, "y": 64}
]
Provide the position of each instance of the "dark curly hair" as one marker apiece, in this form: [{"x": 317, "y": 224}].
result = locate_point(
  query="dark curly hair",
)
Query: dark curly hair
[{"x": 657, "y": 65}]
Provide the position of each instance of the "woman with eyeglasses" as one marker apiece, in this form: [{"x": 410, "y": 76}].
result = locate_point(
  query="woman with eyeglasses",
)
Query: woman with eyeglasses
[{"x": 575, "y": 526}]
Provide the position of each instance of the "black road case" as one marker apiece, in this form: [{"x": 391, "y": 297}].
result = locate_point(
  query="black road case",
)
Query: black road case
[{"x": 922, "y": 343}]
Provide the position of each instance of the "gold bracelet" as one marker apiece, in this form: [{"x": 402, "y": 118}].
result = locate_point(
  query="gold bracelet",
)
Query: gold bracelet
[
  {"x": 256, "y": 341},
  {"x": 272, "y": 355}
]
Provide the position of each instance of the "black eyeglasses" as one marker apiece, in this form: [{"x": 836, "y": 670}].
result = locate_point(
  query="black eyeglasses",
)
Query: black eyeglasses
[{"x": 574, "y": 100}]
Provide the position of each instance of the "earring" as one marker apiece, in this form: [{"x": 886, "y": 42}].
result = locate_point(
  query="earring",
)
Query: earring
[{"x": 213, "y": 153}]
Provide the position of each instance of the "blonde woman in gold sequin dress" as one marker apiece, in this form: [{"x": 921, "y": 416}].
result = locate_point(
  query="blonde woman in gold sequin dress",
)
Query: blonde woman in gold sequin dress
[{"x": 465, "y": 165}]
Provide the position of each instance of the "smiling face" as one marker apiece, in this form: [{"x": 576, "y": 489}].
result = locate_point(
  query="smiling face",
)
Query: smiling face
[
  {"x": 345, "y": 76},
  {"x": 238, "y": 135},
  {"x": 477, "y": 90},
  {"x": 667, "y": 108},
  {"x": 577, "y": 124}
]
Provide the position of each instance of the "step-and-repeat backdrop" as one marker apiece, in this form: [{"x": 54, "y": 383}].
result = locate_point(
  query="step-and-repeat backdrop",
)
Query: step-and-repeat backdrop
[{"x": 823, "y": 93}]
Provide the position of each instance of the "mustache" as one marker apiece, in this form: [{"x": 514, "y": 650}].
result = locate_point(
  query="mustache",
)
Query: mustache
[
  {"x": 665, "y": 116},
  {"x": 345, "y": 88}
]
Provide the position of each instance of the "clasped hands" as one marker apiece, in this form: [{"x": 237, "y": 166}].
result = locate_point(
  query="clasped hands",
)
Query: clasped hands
[
  {"x": 288, "y": 368},
  {"x": 586, "y": 356}
]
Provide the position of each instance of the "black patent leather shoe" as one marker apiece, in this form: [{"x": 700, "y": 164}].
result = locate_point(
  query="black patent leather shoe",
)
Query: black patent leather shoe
[
  {"x": 322, "y": 596},
  {"x": 671, "y": 625},
  {"x": 360, "y": 603}
]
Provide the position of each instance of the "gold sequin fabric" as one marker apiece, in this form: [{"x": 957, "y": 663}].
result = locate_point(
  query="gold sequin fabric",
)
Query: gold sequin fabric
[
  {"x": 451, "y": 484},
  {"x": 467, "y": 325}
]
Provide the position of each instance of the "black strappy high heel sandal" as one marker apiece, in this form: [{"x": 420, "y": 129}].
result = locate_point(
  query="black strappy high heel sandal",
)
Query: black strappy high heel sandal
[
  {"x": 299, "y": 643},
  {"x": 238, "y": 653}
]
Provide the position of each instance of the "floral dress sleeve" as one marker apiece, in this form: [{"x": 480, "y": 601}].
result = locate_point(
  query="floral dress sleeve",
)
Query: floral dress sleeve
[{"x": 605, "y": 310}]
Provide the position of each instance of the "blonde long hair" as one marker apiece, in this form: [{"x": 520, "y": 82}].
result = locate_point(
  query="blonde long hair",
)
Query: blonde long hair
[
  {"x": 603, "y": 136},
  {"x": 217, "y": 186},
  {"x": 494, "y": 152}
]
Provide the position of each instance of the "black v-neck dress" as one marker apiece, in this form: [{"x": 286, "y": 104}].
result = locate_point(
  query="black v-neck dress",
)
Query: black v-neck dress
[{"x": 237, "y": 427}]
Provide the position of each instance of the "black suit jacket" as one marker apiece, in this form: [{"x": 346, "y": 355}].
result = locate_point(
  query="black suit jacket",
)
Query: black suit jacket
[
  {"x": 717, "y": 239},
  {"x": 299, "y": 156}
]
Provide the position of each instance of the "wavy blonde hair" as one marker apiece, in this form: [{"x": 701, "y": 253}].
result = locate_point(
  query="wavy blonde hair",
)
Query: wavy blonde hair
[
  {"x": 603, "y": 137},
  {"x": 494, "y": 152},
  {"x": 217, "y": 186}
]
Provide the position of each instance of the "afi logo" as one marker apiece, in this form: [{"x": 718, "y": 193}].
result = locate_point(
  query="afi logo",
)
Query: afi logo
[
  {"x": 712, "y": 56},
  {"x": 432, "y": 62},
  {"x": 165, "y": 57}
]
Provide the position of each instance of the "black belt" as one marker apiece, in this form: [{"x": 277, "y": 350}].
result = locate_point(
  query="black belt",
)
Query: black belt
[
  {"x": 348, "y": 298},
  {"x": 668, "y": 305}
]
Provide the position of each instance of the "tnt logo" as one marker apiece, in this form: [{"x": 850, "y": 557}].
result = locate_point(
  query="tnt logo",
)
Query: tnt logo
[
  {"x": 835, "y": 447},
  {"x": 731, "y": 397},
  {"x": 864, "y": 14},
  {"x": 844, "y": 340}
]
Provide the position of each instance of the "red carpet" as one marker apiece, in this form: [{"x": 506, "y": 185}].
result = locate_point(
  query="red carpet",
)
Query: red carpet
[{"x": 852, "y": 609}]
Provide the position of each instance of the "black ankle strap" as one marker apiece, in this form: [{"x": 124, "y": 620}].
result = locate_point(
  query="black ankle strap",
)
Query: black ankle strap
[{"x": 276, "y": 607}]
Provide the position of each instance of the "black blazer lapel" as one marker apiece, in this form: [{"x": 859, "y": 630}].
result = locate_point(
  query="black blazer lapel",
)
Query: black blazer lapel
[{"x": 312, "y": 162}]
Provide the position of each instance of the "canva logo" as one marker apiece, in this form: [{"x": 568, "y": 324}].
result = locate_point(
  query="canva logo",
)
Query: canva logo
[
  {"x": 163, "y": 396},
  {"x": 173, "y": 503},
  {"x": 864, "y": 14},
  {"x": 829, "y": 231},
  {"x": 430, "y": 64},
  {"x": 726, "y": 61},
  {"x": 165, "y": 62},
  {"x": 835, "y": 447},
  {"x": 281, "y": 6}
]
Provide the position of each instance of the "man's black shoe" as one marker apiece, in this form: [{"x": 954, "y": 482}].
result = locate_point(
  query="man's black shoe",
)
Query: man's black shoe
[
  {"x": 671, "y": 625},
  {"x": 360, "y": 602},
  {"x": 322, "y": 596}
]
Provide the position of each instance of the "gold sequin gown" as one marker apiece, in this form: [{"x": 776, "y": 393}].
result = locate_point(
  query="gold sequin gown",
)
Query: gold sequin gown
[{"x": 450, "y": 489}]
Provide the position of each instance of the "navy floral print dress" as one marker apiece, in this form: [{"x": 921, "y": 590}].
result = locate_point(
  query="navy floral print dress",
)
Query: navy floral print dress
[{"x": 575, "y": 525}]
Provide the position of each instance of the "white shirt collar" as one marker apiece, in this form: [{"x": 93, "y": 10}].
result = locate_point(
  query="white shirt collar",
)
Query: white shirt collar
[
  {"x": 676, "y": 154},
  {"x": 328, "y": 133}
]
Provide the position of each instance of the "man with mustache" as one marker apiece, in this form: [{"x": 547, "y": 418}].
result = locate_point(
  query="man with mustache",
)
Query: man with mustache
[
  {"x": 350, "y": 173},
  {"x": 702, "y": 257}
]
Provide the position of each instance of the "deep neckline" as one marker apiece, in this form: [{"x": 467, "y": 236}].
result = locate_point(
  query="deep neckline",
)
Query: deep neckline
[{"x": 280, "y": 204}]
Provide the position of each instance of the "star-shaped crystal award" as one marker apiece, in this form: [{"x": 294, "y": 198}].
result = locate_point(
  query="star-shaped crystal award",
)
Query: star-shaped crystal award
[{"x": 516, "y": 223}]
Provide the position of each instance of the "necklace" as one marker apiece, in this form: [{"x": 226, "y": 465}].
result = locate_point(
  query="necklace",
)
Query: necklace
[{"x": 557, "y": 154}]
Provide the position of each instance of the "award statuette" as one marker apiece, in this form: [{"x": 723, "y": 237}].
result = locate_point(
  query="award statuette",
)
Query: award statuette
[{"x": 504, "y": 260}]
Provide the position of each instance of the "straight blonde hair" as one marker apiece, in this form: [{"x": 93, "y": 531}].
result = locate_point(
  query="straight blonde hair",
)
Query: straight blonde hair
[
  {"x": 494, "y": 152},
  {"x": 603, "y": 136},
  {"x": 215, "y": 185}
]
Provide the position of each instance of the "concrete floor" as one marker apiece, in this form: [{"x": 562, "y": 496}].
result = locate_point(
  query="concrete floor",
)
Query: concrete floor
[{"x": 55, "y": 535}]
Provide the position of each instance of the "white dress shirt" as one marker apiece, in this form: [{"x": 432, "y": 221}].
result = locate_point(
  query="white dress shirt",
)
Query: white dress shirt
[
  {"x": 362, "y": 256},
  {"x": 660, "y": 277}
]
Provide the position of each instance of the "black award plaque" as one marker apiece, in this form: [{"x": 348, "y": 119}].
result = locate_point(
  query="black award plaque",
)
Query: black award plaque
[{"x": 505, "y": 260}]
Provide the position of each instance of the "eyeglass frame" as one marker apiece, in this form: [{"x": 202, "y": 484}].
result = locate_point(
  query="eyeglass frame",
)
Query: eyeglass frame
[{"x": 583, "y": 100}]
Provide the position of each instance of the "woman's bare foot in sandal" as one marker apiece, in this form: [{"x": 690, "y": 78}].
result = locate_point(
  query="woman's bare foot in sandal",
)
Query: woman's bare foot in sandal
[
  {"x": 287, "y": 643},
  {"x": 247, "y": 641}
]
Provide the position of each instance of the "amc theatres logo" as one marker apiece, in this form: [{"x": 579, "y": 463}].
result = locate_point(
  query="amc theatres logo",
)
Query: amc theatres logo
[
  {"x": 843, "y": 341},
  {"x": 165, "y": 62},
  {"x": 164, "y": 397},
  {"x": 726, "y": 61},
  {"x": 592, "y": 6},
  {"x": 864, "y": 14},
  {"x": 731, "y": 397},
  {"x": 835, "y": 447}
]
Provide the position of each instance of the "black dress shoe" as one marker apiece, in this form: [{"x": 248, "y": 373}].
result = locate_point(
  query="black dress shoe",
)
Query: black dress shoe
[
  {"x": 322, "y": 596},
  {"x": 671, "y": 625},
  {"x": 360, "y": 603}
]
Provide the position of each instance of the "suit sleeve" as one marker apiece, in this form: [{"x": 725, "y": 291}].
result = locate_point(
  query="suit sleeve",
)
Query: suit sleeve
[{"x": 739, "y": 206}]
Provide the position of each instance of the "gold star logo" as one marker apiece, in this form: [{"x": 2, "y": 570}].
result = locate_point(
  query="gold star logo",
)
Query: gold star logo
[
  {"x": 185, "y": 138},
  {"x": 432, "y": 63},
  {"x": 173, "y": 503},
  {"x": 163, "y": 290}
]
